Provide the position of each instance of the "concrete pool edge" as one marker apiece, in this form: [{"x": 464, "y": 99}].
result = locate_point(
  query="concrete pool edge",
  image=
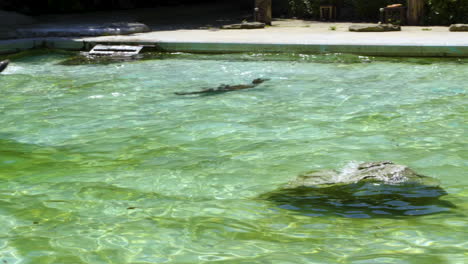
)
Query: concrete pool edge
[{"x": 399, "y": 50}]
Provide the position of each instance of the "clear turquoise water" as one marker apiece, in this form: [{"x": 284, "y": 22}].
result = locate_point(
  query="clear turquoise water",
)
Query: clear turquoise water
[{"x": 104, "y": 164}]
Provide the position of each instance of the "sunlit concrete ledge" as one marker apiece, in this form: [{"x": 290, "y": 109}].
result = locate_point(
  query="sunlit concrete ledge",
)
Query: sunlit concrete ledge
[
  {"x": 178, "y": 43},
  {"x": 371, "y": 50}
]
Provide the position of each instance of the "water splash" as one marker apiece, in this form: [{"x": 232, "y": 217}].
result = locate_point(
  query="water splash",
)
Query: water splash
[
  {"x": 392, "y": 176},
  {"x": 346, "y": 173},
  {"x": 388, "y": 175},
  {"x": 12, "y": 69}
]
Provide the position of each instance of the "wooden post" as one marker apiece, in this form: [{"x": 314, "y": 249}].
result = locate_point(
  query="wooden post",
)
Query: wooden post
[
  {"x": 415, "y": 12},
  {"x": 263, "y": 11}
]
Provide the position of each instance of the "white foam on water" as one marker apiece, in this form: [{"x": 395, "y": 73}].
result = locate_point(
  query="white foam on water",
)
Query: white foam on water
[
  {"x": 396, "y": 176},
  {"x": 390, "y": 176},
  {"x": 349, "y": 169},
  {"x": 12, "y": 69}
]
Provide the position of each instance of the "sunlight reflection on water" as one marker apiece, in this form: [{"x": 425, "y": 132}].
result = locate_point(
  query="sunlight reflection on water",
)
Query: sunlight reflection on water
[{"x": 105, "y": 164}]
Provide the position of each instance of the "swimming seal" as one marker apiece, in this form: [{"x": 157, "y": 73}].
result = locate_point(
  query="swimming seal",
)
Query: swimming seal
[{"x": 223, "y": 88}]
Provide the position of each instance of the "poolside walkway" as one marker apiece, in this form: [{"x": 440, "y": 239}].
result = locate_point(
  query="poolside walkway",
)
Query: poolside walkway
[
  {"x": 286, "y": 35},
  {"x": 304, "y": 36}
]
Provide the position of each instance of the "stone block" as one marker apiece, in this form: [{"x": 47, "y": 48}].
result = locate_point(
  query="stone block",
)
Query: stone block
[
  {"x": 7, "y": 33},
  {"x": 109, "y": 29},
  {"x": 14, "y": 19},
  {"x": 459, "y": 28},
  {"x": 262, "y": 12},
  {"x": 374, "y": 28},
  {"x": 247, "y": 25}
]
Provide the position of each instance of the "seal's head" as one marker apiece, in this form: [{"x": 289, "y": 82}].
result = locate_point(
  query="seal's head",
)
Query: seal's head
[
  {"x": 3, "y": 64},
  {"x": 259, "y": 81}
]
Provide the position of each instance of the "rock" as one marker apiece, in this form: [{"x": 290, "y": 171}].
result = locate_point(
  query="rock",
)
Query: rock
[
  {"x": 120, "y": 28},
  {"x": 374, "y": 28},
  {"x": 246, "y": 25},
  {"x": 263, "y": 11},
  {"x": 8, "y": 33},
  {"x": 14, "y": 19},
  {"x": 10, "y": 21},
  {"x": 382, "y": 171},
  {"x": 85, "y": 59},
  {"x": 458, "y": 27},
  {"x": 375, "y": 189}
]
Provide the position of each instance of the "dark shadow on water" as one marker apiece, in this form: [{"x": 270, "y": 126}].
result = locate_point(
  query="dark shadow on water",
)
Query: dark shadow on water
[
  {"x": 363, "y": 200},
  {"x": 104, "y": 60},
  {"x": 329, "y": 58},
  {"x": 72, "y": 58}
]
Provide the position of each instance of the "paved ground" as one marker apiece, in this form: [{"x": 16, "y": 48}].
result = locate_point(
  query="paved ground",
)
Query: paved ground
[
  {"x": 303, "y": 32},
  {"x": 307, "y": 37}
]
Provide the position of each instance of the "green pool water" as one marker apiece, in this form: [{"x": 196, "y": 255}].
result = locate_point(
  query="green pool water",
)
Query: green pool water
[{"x": 103, "y": 163}]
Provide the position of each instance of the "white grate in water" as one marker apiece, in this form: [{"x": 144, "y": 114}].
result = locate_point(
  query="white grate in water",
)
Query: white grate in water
[{"x": 116, "y": 50}]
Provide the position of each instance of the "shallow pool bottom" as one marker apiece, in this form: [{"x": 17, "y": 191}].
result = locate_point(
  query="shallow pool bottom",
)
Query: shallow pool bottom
[{"x": 105, "y": 164}]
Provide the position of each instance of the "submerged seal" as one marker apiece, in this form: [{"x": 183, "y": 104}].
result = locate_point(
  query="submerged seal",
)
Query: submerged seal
[
  {"x": 4, "y": 64},
  {"x": 365, "y": 190},
  {"x": 223, "y": 88}
]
